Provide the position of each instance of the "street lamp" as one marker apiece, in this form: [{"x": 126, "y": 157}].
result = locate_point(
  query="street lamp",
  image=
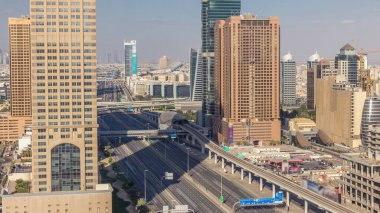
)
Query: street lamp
[
  {"x": 188, "y": 159},
  {"x": 221, "y": 187},
  {"x": 148, "y": 124},
  {"x": 145, "y": 171}
]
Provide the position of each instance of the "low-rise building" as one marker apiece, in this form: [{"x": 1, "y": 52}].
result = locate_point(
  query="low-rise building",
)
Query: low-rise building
[
  {"x": 99, "y": 201},
  {"x": 12, "y": 128}
]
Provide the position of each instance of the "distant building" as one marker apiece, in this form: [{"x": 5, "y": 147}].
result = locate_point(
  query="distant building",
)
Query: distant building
[
  {"x": 306, "y": 127},
  {"x": 371, "y": 116},
  {"x": 361, "y": 182},
  {"x": 347, "y": 62},
  {"x": 164, "y": 62},
  {"x": 339, "y": 110},
  {"x": 1, "y": 57},
  {"x": 288, "y": 81},
  {"x": 212, "y": 10},
  {"x": 20, "y": 66},
  {"x": 247, "y": 88},
  {"x": 196, "y": 75},
  {"x": 116, "y": 57},
  {"x": 12, "y": 128},
  {"x": 311, "y": 76},
  {"x": 130, "y": 51}
]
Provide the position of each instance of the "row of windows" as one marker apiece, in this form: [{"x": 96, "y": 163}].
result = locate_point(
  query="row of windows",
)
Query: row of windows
[{"x": 54, "y": 84}]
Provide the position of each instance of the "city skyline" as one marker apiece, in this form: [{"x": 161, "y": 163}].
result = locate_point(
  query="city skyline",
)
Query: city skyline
[{"x": 161, "y": 34}]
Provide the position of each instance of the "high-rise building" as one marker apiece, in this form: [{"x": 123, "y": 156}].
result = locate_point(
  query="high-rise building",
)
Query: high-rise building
[
  {"x": 19, "y": 51},
  {"x": 288, "y": 81},
  {"x": 64, "y": 110},
  {"x": 370, "y": 116},
  {"x": 130, "y": 60},
  {"x": 339, "y": 108},
  {"x": 212, "y": 10},
  {"x": 1, "y": 56},
  {"x": 108, "y": 54},
  {"x": 164, "y": 62},
  {"x": 347, "y": 62},
  {"x": 247, "y": 80},
  {"x": 311, "y": 76},
  {"x": 116, "y": 57},
  {"x": 195, "y": 75}
]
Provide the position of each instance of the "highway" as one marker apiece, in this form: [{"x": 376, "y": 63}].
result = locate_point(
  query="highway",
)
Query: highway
[
  {"x": 113, "y": 91},
  {"x": 134, "y": 157},
  {"x": 282, "y": 182},
  {"x": 135, "y": 154}
]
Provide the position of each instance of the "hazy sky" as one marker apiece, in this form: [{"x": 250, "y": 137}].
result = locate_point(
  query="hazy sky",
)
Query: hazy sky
[{"x": 172, "y": 27}]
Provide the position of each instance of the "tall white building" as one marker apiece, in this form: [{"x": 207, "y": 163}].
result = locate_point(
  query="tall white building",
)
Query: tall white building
[
  {"x": 130, "y": 59},
  {"x": 288, "y": 81}
]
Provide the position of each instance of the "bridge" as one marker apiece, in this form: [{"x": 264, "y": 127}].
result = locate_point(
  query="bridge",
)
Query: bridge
[
  {"x": 251, "y": 170},
  {"x": 137, "y": 133}
]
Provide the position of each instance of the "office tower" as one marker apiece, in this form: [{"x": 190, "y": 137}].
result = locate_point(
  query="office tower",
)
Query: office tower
[
  {"x": 370, "y": 116},
  {"x": 116, "y": 57},
  {"x": 19, "y": 51},
  {"x": 347, "y": 62},
  {"x": 361, "y": 180},
  {"x": 1, "y": 56},
  {"x": 247, "y": 80},
  {"x": 196, "y": 75},
  {"x": 212, "y": 10},
  {"x": 288, "y": 81},
  {"x": 130, "y": 50},
  {"x": 64, "y": 110},
  {"x": 311, "y": 75},
  {"x": 108, "y": 54},
  {"x": 339, "y": 108},
  {"x": 164, "y": 62}
]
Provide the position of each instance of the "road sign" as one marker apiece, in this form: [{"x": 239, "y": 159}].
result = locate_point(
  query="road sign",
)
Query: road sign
[
  {"x": 221, "y": 199},
  {"x": 173, "y": 136},
  {"x": 169, "y": 176},
  {"x": 130, "y": 108}
]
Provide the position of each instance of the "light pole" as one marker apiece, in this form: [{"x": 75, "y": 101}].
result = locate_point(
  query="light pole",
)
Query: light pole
[
  {"x": 188, "y": 159},
  {"x": 221, "y": 187},
  {"x": 145, "y": 171},
  {"x": 148, "y": 132}
]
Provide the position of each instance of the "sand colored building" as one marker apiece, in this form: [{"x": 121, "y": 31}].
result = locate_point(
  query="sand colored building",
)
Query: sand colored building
[
  {"x": 64, "y": 107},
  {"x": 339, "y": 111},
  {"x": 95, "y": 201},
  {"x": 19, "y": 55},
  {"x": 12, "y": 128},
  {"x": 247, "y": 80},
  {"x": 164, "y": 62}
]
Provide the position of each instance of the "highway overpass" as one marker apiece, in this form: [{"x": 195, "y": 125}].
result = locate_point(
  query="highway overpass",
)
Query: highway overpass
[{"x": 137, "y": 133}]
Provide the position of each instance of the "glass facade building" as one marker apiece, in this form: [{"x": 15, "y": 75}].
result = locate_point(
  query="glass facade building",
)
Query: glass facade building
[
  {"x": 288, "y": 81},
  {"x": 212, "y": 10},
  {"x": 370, "y": 116},
  {"x": 65, "y": 167},
  {"x": 130, "y": 59}
]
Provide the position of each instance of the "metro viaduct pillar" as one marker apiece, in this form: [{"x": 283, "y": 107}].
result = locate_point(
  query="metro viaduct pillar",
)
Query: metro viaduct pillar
[
  {"x": 209, "y": 155},
  {"x": 249, "y": 177},
  {"x": 232, "y": 168},
  {"x": 306, "y": 206},
  {"x": 261, "y": 184},
  {"x": 242, "y": 174},
  {"x": 273, "y": 189},
  {"x": 223, "y": 163},
  {"x": 216, "y": 158},
  {"x": 287, "y": 199}
]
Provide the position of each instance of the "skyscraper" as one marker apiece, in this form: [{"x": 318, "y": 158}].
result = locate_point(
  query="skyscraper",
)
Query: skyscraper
[
  {"x": 130, "y": 51},
  {"x": 212, "y": 10},
  {"x": 288, "y": 81},
  {"x": 63, "y": 58},
  {"x": 19, "y": 50},
  {"x": 348, "y": 63},
  {"x": 247, "y": 80},
  {"x": 370, "y": 116},
  {"x": 195, "y": 75},
  {"x": 1, "y": 56},
  {"x": 311, "y": 76}
]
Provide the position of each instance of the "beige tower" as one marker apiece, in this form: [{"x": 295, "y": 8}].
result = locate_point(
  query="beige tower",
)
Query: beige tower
[
  {"x": 63, "y": 61},
  {"x": 19, "y": 55},
  {"x": 247, "y": 74}
]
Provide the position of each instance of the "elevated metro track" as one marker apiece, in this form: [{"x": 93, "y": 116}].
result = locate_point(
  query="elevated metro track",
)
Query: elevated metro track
[{"x": 282, "y": 182}]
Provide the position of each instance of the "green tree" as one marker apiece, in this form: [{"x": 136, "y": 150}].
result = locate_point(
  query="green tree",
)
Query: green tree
[{"x": 22, "y": 186}]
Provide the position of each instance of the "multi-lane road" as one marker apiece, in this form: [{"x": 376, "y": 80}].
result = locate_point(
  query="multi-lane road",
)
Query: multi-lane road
[{"x": 200, "y": 188}]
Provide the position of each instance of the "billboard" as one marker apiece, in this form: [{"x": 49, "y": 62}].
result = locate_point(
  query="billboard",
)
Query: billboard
[
  {"x": 276, "y": 200},
  {"x": 324, "y": 191}
]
